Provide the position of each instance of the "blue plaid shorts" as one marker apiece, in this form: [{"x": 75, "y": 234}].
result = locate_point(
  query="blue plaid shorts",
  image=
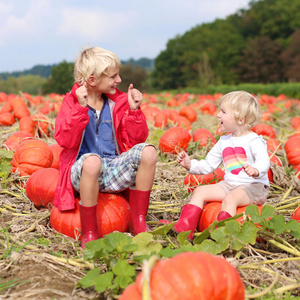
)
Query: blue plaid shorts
[{"x": 117, "y": 174}]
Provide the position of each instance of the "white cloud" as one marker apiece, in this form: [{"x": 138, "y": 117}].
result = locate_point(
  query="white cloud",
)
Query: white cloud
[
  {"x": 91, "y": 24},
  {"x": 22, "y": 24}
]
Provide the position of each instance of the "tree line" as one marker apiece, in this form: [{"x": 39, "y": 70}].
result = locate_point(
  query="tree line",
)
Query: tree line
[{"x": 260, "y": 44}]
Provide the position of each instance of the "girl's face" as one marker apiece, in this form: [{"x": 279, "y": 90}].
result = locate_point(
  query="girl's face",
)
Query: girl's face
[
  {"x": 108, "y": 84},
  {"x": 228, "y": 123}
]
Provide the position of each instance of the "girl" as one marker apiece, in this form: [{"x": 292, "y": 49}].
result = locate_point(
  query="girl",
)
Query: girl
[{"x": 245, "y": 159}]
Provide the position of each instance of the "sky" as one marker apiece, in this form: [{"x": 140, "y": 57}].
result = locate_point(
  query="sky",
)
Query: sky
[{"x": 46, "y": 32}]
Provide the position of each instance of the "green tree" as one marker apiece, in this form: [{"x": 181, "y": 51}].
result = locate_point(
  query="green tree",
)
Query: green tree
[
  {"x": 31, "y": 84},
  {"x": 135, "y": 75},
  {"x": 261, "y": 61},
  {"x": 61, "y": 79},
  {"x": 291, "y": 58}
]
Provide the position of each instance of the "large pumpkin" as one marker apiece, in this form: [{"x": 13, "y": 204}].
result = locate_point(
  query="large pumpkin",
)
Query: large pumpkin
[
  {"x": 211, "y": 211},
  {"x": 113, "y": 214},
  {"x": 174, "y": 140},
  {"x": 30, "y": 156},
  {"x": 190, "y": 276},
  {"x": 292, "y": 149},
  {"x": 41, "y": 186},
  {"x": 192, "y": 181}
]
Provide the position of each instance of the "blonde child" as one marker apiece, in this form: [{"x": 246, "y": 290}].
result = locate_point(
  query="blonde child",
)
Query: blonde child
[
  {"x": 245, "y": 159},
  {"x": 96, "y": 126}
]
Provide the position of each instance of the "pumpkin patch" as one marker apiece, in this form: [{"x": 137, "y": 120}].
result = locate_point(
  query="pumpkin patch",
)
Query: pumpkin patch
[{"x": 176, "y": 122}]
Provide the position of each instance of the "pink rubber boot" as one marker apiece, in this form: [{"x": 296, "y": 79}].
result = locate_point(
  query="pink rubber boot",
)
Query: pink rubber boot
[
  {"x": 189, "y": 219},
  {"x": 89, "y": 229},
  {"x": 139, "y": 204},
  {"x": 223, "y": 215}
]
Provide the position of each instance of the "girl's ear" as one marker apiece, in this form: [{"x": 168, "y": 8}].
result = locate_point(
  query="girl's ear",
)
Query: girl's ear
[
  {"x": 241, "y": 121},
  {"x": 91, "y": 81}
]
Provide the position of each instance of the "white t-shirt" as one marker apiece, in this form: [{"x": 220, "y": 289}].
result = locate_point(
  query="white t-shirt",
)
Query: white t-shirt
[{"x": 234, "y": 152}]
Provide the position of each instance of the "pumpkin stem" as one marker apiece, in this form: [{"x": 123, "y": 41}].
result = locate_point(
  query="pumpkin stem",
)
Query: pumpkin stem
[{"x": 145, "y": 282}]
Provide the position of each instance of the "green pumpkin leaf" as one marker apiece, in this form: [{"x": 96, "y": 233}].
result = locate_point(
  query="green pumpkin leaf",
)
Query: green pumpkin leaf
[
  {"x": 182, "y": 238},
  {"x": 123, "y": 281},
  {"x": 95, "y": 249},
  {"x": 203, "y": 236},
  {"x": 292, "y": 225},
  {"x": 267, "y": 212},
  {"x": 89, "y": 279},
  {"x": 163, "y": 230},
  {"x": 239, "y": 236},
  {"x": 169, "y": 252},
  {"x": 219, "y": 243},
  {"x": 146, "y": 244},
  {"x": 278, "y": 224},
  {"x": 123, "y": 268},
  {"x": 117, "y": 241},
  {"x": 104, "y": 282}
]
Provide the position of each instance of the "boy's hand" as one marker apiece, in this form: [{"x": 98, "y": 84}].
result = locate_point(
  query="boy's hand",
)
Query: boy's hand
[
  {"x": 184, "y": 160},
  {"x": 135, "y": 98},
  {"x": 250, "y": 171},
  {"x": 82, "y": 94}
]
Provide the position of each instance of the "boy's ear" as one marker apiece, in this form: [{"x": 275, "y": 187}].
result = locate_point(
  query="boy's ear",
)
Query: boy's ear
[{"x": 91, "y": 81}]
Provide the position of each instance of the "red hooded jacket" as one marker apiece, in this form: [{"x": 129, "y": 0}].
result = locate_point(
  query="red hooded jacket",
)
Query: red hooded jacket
[{"x": 130, "y": 128}]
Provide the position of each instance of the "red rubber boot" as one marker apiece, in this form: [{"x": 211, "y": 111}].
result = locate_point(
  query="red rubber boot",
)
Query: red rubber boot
[
  {"x": 139, "y": 203},
  {"x": 223, "y": 215},
  {"x": 189, "y": 219},
  {"x": 89, "y": 229}
]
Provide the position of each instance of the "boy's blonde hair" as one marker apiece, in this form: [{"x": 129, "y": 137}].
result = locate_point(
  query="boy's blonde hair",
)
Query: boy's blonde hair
[
  {"x": 94, "y": 61},
  {"x": 243, "y": 105}
]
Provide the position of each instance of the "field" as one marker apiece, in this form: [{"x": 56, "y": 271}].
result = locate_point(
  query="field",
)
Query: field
[{"x": 39, "y": 263}]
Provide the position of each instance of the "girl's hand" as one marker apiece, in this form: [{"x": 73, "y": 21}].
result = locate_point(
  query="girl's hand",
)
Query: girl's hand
[
  {"x": 184, "y": 160},
  {"x": 135, "y": 98},
  {"x": 250, "y": 171},
  {"x": 82, "y": 94}
]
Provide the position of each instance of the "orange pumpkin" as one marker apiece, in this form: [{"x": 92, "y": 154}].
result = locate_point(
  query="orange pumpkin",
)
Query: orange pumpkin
[
  {"x": 56, "y": 149},
  {"x": 211, "y": 211},
  {"x": 7, "y": 119},
  {"x": 188, "y": 112},
  {"x": 41, "y": 186},
  {"x": 27, "y": 124},
  {"x": 20, "y": 108},
  {"x": 189, "y": 276},
  {"x": 275, "y": 159},
  {"x": 203, "y": 135},
  {"x": 160, "y": 119},
  {"x": 174, "y": 140},
  {"x": 192, "y": 181},
  {"x": 42, "y": 123},
  {"x": 292, "y": 149},
  {"x": 273, "y": 145},
  {"x": 264, "y": 130},
  {"x": 31, "y": 155},
  {"x": 113, "y": 214},
  {"x": 13, "y": 141}
]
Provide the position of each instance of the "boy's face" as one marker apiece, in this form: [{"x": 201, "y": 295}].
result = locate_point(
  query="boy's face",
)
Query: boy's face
[{"x": 107, "y": 84}]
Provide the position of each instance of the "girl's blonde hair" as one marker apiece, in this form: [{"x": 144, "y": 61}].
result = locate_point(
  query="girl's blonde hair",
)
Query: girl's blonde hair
[
  {"x": 94, "y": 61},
  {"x": 243, "y": 105}
]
